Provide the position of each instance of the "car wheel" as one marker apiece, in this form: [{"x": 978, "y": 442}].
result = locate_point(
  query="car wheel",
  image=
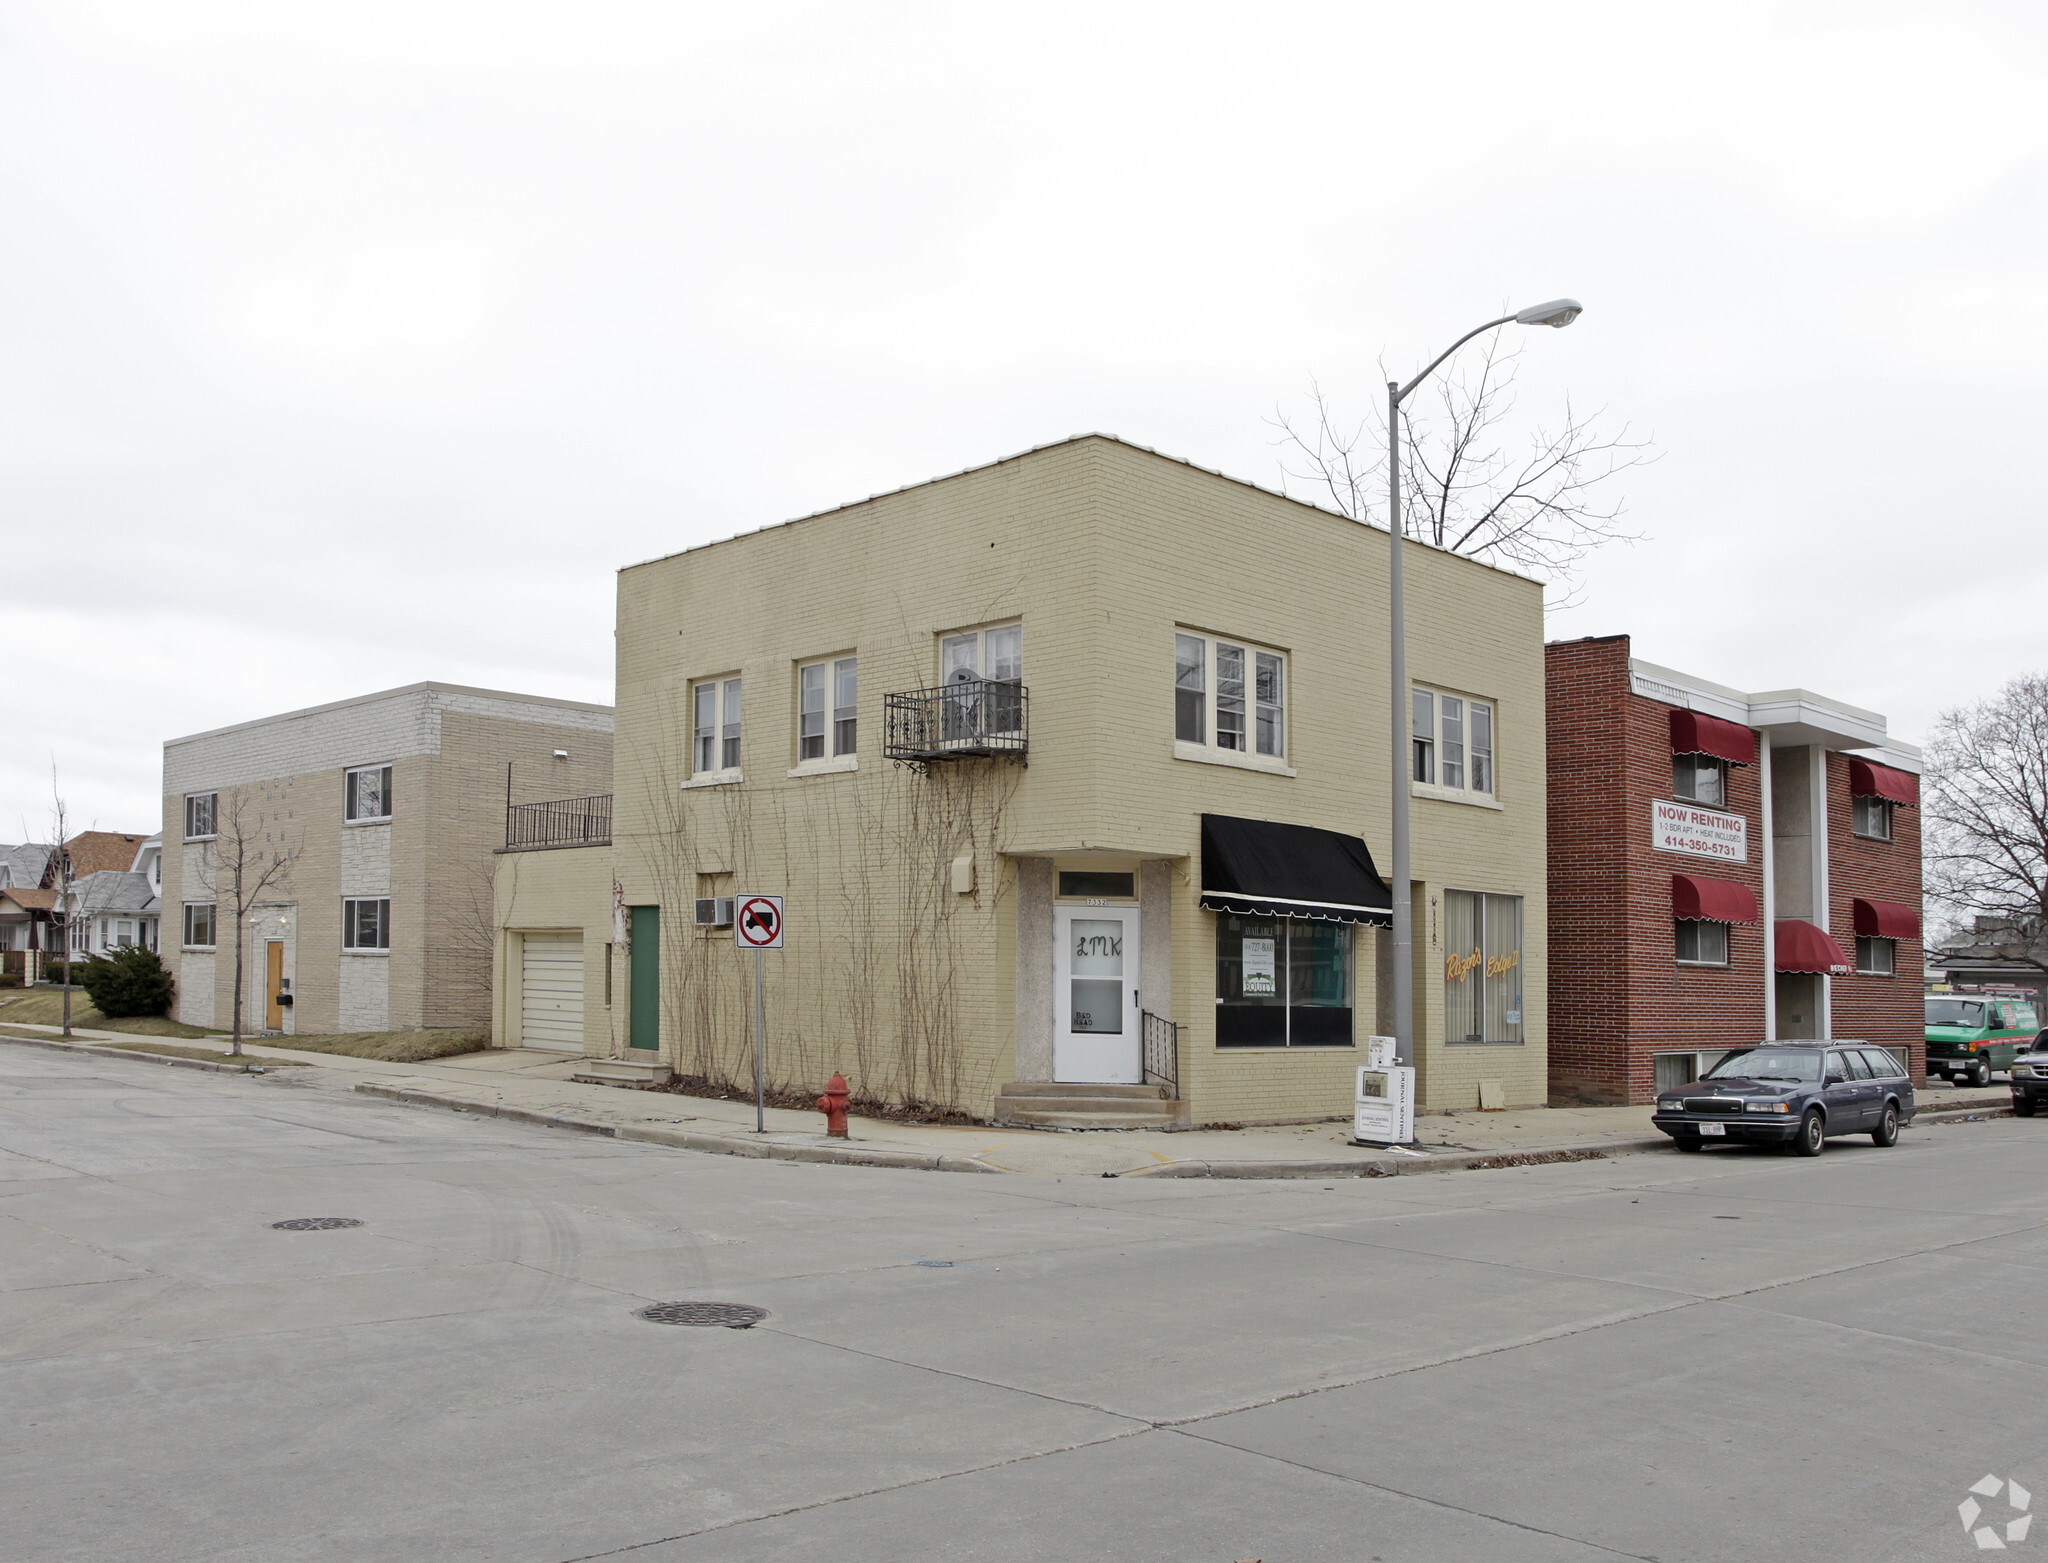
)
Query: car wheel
[
  {"x": 1887, "y": 1131},
  {"x": 1980, "y": 1073},
  {"x": 1692, "y": 1142},
  {"x": 1813, "y": 1134},
  {"x": 2023, "y": 1106}
]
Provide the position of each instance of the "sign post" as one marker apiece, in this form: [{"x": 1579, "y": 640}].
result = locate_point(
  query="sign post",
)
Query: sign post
[{"x": 757, "y": 926}]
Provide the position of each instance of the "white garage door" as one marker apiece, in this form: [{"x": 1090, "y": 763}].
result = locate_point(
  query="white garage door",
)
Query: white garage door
[{"x": 551, "y": 991}]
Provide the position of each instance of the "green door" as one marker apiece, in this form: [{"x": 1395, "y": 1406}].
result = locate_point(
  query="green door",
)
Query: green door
[{"x": 643, "y": 1028}]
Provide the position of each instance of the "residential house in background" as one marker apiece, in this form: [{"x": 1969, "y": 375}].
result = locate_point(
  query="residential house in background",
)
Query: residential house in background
[
  {"x": 392, "y": 803},
  {"x": 112, "y": 898},
  {"x": 116, "y": 908},
  {"x": 1725, "y": 868},
  {"x": 1999, "y": 953},
  {"x": 1073, "y": 770}
]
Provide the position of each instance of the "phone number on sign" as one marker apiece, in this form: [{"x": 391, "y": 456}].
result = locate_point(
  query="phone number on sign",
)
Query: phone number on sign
[{"x": 1700, "y": 846}]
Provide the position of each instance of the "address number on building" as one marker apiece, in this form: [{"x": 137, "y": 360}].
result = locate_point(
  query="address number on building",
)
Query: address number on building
[{"x": 1685, "y": 827}]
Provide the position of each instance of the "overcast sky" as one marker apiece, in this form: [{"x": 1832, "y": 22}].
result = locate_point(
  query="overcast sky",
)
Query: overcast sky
[{"x": 348, "y": 345}]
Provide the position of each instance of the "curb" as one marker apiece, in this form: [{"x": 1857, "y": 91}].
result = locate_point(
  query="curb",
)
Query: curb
[
  {"x": 687, "y": 1139},
  {"x": 1398, "y": 1166},
  {"x": 102, "y": 1050}
]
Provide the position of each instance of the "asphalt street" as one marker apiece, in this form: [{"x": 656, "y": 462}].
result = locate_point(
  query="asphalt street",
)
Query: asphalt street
[{"x": 1734, "y": 1355}]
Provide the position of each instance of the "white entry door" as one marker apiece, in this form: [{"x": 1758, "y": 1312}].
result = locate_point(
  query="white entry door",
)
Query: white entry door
[
  {"x": 551, "y": 991},
  {"x": 1095, "y": 996}
]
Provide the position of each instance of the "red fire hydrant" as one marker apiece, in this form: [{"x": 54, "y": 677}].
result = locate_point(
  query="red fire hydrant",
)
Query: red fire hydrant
[{"x": 833, "y": 1105}]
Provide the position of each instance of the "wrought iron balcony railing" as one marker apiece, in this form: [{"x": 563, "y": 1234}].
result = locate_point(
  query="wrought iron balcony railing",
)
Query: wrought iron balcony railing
[
  {"x": 565, "y": 822},
  {"x": 962, "y": 719}
]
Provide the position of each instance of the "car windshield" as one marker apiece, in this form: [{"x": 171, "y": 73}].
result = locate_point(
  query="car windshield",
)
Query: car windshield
[
  {"x": 1767, "y": 1063},
  {"x": 1955, "y": 1012}
]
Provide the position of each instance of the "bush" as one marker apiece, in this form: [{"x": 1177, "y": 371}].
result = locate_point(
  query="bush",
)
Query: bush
[
  {"x": 9, "y": 979},
  {"x": 133, "y": 981},
  {"x": 53, "y": 971}
]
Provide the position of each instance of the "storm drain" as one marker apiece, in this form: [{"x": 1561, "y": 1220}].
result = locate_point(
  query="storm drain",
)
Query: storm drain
[
  {"x": 729, "y": 1316},
  {"x": 316, "y": 1223}
]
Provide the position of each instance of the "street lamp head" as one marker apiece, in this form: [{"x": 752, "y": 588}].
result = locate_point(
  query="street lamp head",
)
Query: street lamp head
[{"x": 1559, "y": 312}]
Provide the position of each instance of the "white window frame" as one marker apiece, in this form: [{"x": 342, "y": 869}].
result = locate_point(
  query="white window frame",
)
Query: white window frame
[
  {"x": 1204, "y": 698},
  {"x": 1869, "y": 946},
  {"x": 210, "y": 801},
  {"x": 723, "y": 733},
  {"x": 1700, "y": 925},
  {"x": 348, "y": 925},
  {"x": 212, "y": 924},
  {"x": 1690, "y": 766},
  {"x": 832, "y": 723},
  {"x": 1873, "y": 810},
  {"x": 351, "y": 790},
  {"x": 1445, "y": 760},
  {"x": 970, "y": 648}
]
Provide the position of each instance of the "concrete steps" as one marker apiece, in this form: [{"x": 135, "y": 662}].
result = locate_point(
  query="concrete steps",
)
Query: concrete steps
[
  {"x": 1045, "y": 1104},
  {"x": 620, "y": 1071}
]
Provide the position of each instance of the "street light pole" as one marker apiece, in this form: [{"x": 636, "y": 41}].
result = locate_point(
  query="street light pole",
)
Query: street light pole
[{"x": 1560, "y": 313}]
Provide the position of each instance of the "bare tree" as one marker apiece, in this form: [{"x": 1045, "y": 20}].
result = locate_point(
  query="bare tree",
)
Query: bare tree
[
  {"x": 61, "y": 870},
  {"x": 1472, "y": 481},
  {"x": 241, "y": 863},
  {"x": 1987, "y": 814}
]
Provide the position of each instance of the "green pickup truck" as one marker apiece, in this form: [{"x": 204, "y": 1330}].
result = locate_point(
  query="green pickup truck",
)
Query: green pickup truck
[{"x": 1971, "y": 1034}]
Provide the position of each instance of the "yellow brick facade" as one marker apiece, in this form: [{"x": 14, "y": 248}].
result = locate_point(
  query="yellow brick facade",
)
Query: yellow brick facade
[{"x": 1101, "y": 551}]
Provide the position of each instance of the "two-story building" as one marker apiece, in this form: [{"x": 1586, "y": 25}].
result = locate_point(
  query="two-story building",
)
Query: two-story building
[
  {"x": 1073, "y": 770},
  {"x": 1725, "y": 868},
  {"x": 388, "y": 807}
]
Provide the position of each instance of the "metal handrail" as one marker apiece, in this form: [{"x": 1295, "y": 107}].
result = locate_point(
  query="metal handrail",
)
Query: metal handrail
[
  {"x": 1160, "y": 1049},
  {"x": 562, "y": 822},
  {"x": 971, "y": 718}
]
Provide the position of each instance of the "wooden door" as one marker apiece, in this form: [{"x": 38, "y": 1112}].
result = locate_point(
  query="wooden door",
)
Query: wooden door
[{"x": 273, "y": 984}]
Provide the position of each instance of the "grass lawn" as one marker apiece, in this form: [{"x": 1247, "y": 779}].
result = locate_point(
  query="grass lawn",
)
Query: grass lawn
[
  {"x": 44, "y": 1007},
  {"x": 171, "y": 1049},
  {"x": 391, "y": 1047}
]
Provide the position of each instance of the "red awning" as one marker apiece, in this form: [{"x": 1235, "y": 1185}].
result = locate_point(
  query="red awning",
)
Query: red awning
[
  {"x": 1694, "y": 732},
  {"x": 1803, "y": 947},
  {"x": 1712, "y": 900},
  {"x": 1868, "y": 779},
  {"x": 1885, "y": 920}
]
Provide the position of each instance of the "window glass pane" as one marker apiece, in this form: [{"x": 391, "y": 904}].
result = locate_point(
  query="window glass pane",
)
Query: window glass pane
[
  {"x": 1251, "y": 1011},
  {"x": 1685, "y": 940},
  {"x": 1424, "y": 728},
  {"x": 1709, "y": 782},
  {"x": 1230, "y": 732},
  {"x": 729, "y": 755},
  {"x": 810, "y": 705},
  {"x": 1714, "y": 943},
  {"x": 1482, "y": 747},
  {"x": 1319, "y": 983},
  {"x": 1503, "y": 968},
  {"x": 959, "y": 651},
  {"x": 845, "y": 704},
  {"x": 1084, "y": 882},
  {"x": 707, "y": 727},
  {"x": 1266, "y": 692},
  {"x": 1453, "y": 742},
  {"x": 1097, "y": 972},
  {"x": 1190, "y": 689},
  {"x": 1005, "y": 648},
  {"x": 1464, "y": 983}
]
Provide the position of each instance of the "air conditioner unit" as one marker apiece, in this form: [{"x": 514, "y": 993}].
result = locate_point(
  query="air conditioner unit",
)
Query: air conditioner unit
[{"x": 714, "y": 911}]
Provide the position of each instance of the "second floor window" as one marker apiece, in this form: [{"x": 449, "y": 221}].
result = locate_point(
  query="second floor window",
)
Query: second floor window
[
  {"x": 1452, "y": 740},
  {"x": 199, "y": 924},
  {"x": 717, "y": 726},
  {"x": 1875, "y": 957},
  {"x": 1700, "y": 778},
  {"x": 827, "y": 708},
  {"x": 366, "y": 924},
  {"x": 199, "y": 810},
  {"x": 1873, "y": 818},
  {"x": 1227, "y": 695},
  {"x": 1700, "y": 943},
  {"x": 369, "y": 792}
]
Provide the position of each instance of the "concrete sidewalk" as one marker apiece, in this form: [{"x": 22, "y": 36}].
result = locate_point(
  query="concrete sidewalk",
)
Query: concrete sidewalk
[{"x": 534, "y": 1087}]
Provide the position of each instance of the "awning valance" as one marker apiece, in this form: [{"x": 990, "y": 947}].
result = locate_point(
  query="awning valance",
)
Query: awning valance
[
  {"x": 1695, "y": 898},
  {"x": 1266, "y": 869},
  {"x": 1694, "y": 732},
  {"x": 1887, "y": 920},
  {"x": 1868, "y": 779},
  {"x": 1803, "y": 947}
]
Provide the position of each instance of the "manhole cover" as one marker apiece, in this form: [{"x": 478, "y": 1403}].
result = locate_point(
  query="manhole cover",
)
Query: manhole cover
[
  {"x": 316, "y": 1223},
  {"x": 731, "y": 1316}
]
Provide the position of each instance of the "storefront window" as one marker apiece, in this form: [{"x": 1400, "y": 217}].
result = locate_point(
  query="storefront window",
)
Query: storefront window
[
  {"x": 1482, "y": 967},
  {"x": 1282, "y": 982}
]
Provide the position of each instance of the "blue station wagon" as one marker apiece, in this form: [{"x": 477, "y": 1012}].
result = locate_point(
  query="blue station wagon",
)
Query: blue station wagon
[{"x": 1791, "y": 1093}]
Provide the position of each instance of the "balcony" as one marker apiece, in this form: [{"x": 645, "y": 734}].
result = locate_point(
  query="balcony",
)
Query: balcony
[
  {"x": 962, "y": 719},
  {"x": 565, "y": 822}
]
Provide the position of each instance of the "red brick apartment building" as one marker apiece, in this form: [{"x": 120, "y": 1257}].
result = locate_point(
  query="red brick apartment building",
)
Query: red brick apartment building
[{"x": 1725, "y": 868}]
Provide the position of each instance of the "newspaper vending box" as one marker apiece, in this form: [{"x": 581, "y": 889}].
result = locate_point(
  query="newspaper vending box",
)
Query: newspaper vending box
[{"x": 1385, "y": 1108}]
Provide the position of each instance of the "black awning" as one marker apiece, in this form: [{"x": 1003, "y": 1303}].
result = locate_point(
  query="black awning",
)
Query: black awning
[{"x": 1268, "y": 870}]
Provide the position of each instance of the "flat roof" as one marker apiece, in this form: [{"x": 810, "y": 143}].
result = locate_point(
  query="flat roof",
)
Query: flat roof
[{"x": 387, "y": 694}]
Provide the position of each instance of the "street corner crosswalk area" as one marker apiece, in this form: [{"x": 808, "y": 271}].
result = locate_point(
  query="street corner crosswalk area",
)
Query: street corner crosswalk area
[{"x": 244, "y": 1319}]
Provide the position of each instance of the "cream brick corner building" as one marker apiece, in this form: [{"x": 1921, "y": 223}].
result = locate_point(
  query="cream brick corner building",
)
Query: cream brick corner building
[
  {"x": 394, "y": 803},
  {"x": 1072, "y": 770}
]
